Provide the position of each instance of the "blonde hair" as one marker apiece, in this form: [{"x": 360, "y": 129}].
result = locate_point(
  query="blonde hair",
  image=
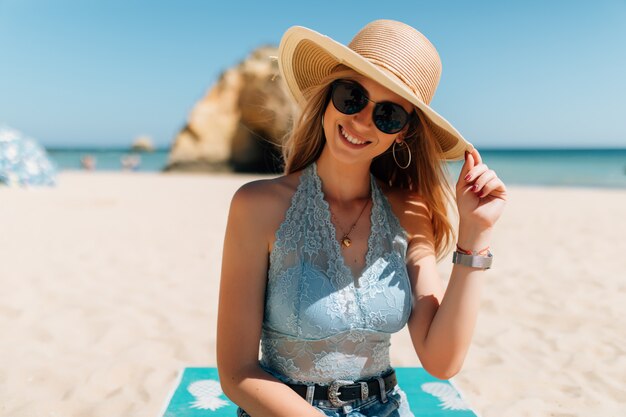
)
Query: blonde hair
[{"x": 426, "y": 175}]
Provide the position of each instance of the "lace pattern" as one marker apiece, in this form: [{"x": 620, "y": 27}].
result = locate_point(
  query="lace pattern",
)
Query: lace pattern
[{"x": 318, "y": 325}]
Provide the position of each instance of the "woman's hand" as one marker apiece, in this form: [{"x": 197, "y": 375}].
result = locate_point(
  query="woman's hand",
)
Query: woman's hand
[{"x": 480, "y": 196}]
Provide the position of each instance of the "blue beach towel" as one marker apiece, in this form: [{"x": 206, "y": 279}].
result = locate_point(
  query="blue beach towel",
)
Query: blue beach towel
[{"x": 198, "y": 394}]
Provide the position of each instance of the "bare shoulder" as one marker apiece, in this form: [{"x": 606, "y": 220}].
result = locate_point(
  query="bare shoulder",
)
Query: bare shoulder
[
  {"x": 265, "y": 203},
  {"x": 267, "y": 194},
  {"x": 414, "y": 215},
  {"x": 410, "y": 208}
]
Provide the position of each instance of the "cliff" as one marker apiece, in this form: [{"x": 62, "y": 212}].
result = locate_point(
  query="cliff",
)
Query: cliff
[{"x": 239, "y": 124}]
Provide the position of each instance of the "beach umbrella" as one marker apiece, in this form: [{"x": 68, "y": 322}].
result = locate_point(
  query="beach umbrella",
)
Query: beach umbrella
[{"x": 23, "y": 161}]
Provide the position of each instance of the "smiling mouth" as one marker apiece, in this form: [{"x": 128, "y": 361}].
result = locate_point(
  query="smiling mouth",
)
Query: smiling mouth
[{"x": 351, "y": 139}]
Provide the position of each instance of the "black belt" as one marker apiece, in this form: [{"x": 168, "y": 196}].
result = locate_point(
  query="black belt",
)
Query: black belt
[{"x": 341, "y": 392}]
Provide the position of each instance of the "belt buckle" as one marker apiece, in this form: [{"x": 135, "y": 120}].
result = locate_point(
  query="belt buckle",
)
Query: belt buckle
[{"x": 333, "y": 392}]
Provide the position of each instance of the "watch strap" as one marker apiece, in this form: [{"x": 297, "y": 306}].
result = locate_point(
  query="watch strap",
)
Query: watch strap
[{"x": 474, "y": 261}]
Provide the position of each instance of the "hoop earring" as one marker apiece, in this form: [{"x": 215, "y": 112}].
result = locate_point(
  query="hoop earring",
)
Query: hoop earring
[
  {"x": 393, "y": 151},
  {"x": 322, "y": 121}
]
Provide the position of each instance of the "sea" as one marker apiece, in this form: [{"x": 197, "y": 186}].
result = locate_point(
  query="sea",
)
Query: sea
[{"x": 605, "y": 168}]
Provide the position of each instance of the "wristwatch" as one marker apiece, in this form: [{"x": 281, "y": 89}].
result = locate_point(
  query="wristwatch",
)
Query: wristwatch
[{"x": 475, "y": 261}]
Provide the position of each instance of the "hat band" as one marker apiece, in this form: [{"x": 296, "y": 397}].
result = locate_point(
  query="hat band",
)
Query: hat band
[{"x": 390, "y": 71}]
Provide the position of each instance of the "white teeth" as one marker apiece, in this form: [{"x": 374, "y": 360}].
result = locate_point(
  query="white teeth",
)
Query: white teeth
[{"x": 350, "y": 139}]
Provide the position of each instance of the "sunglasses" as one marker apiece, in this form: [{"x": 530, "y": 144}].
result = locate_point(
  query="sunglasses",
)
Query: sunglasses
[{"x": 350, "y": 97}]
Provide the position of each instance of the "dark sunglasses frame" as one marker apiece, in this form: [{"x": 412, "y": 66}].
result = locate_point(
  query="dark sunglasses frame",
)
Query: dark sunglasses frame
[{"x": 388, "y": 117}]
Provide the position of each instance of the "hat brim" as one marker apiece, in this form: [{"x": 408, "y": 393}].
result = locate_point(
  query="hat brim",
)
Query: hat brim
[{"x": 306, "y": 57}]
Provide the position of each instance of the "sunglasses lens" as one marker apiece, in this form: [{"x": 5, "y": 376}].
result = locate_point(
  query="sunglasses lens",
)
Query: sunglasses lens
[
  {"x": 390, "y": 117},
  {"x": 348, "y": 98}
]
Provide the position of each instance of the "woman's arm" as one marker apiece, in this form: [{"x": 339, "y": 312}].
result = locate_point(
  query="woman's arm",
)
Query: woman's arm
[
  {"x": 441, "y": 325},
  {"x": 240, "y": 313}
]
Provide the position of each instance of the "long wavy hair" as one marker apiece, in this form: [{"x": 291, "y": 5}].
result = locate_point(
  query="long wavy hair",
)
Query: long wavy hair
[{"x": 426, "y": 175}]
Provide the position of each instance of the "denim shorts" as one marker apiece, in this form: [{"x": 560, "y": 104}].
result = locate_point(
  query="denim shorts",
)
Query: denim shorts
[{"x": 396, "y": 406}]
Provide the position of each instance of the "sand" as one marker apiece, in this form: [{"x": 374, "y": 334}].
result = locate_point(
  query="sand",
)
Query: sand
[{"x": 109, "y": 287}]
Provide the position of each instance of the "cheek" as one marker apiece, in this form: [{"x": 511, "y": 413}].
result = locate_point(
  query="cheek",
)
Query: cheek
[
  {"x": 331, "y": 112},
  {"x": 327, "y": 122},
  {"x": 332, "y": 118},
  {"x": 385, "y": 141},
  {"x": 327, "y": 115}
]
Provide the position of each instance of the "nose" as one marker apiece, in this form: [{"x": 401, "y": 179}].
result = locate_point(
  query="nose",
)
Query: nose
[{"x": 364, "y": 117}]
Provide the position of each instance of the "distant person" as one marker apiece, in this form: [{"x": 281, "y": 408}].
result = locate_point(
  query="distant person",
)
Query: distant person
[
  {"x": 321, "y": 265},
  {"x": 88, "y": 162},
  {"x": 130, "y": 162}
]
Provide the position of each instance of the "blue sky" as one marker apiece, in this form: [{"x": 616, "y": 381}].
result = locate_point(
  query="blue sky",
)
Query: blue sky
[{"x": 515, "y": 74}]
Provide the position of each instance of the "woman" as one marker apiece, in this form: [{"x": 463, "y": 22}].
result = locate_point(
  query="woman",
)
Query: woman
[{"x": 322, "y": 264}]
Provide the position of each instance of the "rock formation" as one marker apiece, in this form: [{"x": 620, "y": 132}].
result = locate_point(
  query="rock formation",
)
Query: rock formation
[
  {"x": 240, "y": 123},
  {"x": 143, "y": 144}
]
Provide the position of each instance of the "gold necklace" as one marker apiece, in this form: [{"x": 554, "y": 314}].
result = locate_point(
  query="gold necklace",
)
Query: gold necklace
[{"x": 345, "y": 240}]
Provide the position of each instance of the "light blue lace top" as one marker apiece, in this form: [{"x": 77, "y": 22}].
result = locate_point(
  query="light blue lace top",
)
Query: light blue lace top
[{"x": 321, "y": 323}]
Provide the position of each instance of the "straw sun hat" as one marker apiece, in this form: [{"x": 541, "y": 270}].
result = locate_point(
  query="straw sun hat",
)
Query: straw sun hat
[{"x": 391, "y": 53}]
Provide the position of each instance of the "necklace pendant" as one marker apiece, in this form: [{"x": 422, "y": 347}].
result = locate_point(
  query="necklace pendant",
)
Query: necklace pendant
[{"x": 346, "y": 241}]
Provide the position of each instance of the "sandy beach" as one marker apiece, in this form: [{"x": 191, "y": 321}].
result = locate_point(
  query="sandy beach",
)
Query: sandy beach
[{"x": 110, "y": 281}]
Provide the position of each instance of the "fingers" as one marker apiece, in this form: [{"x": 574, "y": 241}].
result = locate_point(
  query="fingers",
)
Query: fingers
[
  {"x": 475, "y": 172},
  {"x": 472, "y": 159},
  {"x": 478, "y": 178},
  {"x": 492, "y": 186},
  {"x": 467, "y": 166},
  {"x": 479, "y": 187},
  {"x": 477, "y": 158}
]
